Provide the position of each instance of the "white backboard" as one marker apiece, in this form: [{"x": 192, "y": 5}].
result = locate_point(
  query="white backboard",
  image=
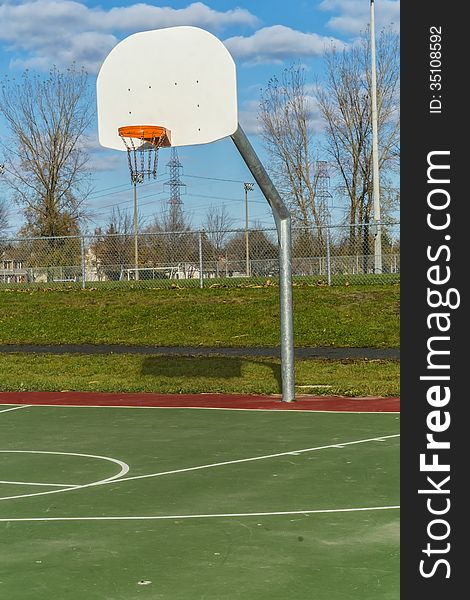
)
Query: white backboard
[{"x": 181, "y": 78}]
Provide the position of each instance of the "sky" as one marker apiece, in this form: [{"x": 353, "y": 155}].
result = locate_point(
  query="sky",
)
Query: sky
[{"x": 263, "y": 38}]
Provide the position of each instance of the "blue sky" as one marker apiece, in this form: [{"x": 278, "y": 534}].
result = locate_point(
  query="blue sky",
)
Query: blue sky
[{"x": 263, "y": 37}]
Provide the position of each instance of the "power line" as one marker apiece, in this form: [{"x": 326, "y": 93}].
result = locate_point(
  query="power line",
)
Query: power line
[
  {"x": 203, "y": 177},
  {"x": 225, "y": 198},
  {"x": 215, "y": 178}
]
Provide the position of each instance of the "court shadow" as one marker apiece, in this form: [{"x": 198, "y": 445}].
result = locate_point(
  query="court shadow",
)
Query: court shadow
[{"x": 209, "y": 367}]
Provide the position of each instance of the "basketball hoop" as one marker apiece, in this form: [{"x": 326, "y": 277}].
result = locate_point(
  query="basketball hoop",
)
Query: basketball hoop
[{"x": 142, "y": 144}]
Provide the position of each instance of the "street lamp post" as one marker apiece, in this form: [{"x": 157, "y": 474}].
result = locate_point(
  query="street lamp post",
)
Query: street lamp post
[
  {"x": 375, "y": 149},
  {"x": 248, "y": 188},
  {"x": 136, "y": 180}
]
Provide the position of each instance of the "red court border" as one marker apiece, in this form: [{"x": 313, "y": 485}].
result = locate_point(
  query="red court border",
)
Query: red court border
[{"x": 229, "y": 401}]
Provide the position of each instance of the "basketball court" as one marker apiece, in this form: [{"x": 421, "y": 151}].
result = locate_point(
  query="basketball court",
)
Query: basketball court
[
  {"x": 123, "y": 497},
  {"x": 141, "y": 496}
]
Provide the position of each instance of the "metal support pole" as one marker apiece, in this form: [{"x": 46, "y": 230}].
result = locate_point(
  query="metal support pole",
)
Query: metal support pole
[
  {"x": 283, "y": 225},
  {"x": 375, "y": 149},
  {"x": 201, "y": 263},
  {"x": 82, "y": 254}
]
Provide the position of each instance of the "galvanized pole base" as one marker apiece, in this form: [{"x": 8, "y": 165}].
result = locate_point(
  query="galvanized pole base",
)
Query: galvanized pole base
[{"x": 283, "y": 225}]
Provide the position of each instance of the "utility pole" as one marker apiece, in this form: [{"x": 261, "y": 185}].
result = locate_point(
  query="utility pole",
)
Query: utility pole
[
  {"x": 248, "y": 188},
  {"x": 375, "y": 149},
  {"x": 137, "y": 179}
]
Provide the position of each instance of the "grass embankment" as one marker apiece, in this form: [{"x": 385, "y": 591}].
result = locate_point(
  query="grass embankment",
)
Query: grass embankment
[
  {"x": 131, "y": 373},
  {"x": 341, "y": 317}
]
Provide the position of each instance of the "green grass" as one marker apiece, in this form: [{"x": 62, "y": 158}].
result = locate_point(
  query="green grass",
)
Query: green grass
[
  {"x": 220, "y": 282},
  {"x": 174, "y": 374},
  {"x": 348, "y": 316},
  {"x": 326, "y": 556}
]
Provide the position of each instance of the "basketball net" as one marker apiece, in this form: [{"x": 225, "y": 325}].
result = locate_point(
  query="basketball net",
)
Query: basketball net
[{"x": 142, "y": 145}]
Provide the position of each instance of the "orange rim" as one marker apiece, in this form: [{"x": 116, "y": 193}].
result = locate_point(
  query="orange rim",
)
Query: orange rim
[{"x": 154, "y": 134}]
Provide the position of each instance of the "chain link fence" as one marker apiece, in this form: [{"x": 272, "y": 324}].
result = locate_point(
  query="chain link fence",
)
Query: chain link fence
[{"x": 328, "y": 255}]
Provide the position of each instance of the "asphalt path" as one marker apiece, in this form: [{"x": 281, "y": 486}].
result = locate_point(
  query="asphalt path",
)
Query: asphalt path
[{"x": 323, "y": 352}]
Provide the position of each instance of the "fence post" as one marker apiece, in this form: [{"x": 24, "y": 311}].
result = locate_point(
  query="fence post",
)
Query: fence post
[
  {"x": 82, "y": 253},
  {"x": 201, "y": 264},
  {"x": 328, "y": 260}
]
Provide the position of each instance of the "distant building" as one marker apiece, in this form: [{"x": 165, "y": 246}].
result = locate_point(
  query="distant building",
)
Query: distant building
[{"x": 12, "y": 268}]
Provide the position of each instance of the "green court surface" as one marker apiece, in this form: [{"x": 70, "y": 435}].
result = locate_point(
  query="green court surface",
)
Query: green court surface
[{"x": 108, "y": 503}]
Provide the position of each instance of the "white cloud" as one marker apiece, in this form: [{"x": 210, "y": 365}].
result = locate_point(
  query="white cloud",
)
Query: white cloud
[
  {"x": 59, "y": 32},
  {"x": 87, "y": 49},
  {"x": 276, "y": 43},
  {"x": 354, "y": 15},
  {"x": 248, "y": 117},
  {"x": 315, "y": 119},
  {"x": 145, "y": 16},
  {"x": 102, "y": 161},
  {"x": 249, "y": 111}
]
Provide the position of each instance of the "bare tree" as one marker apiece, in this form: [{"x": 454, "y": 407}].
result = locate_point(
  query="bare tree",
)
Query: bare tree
[
  {"x": 3, "y": 208},
  {"x": 170, "y": 218},
  {"x": 217, "y": 225},
  {"x": 263, "y": 251},
  {"x": 3, "y": 217},
  {"x": 344, "y": 102},
  {"x": 286, "y": 121},
  {"x": 180, "y": 244},
  {"x": 113, "y": 250},
  {"x": 120, "y": 221},
  {"x": 44, "y": 162}
]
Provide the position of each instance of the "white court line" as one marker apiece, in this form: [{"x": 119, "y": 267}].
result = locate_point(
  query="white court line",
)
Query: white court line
[
  {"x": 252, "y": 459},
  {"x": 200, "y": 467},
  {"x": 214, "y": 516},
  {"x": 43, "y": 484},
  {"x": 16, "y": 408},
  {"x": 124, "y": 469}
]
